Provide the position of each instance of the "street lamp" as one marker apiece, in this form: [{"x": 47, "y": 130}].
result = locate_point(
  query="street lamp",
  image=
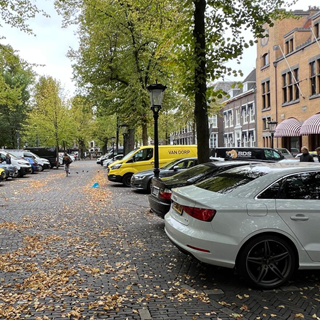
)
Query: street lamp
[
  {"x": 124, "y": 130},
  {"x": 156, "y": 95},
  {"x": 272, "y": 128},
  {"x": 113, "y": 139}
]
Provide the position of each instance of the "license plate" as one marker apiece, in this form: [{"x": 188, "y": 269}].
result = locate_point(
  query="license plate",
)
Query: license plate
[
  {"x": 155, "y": 191},
  {"x": 178, "y": 207}
]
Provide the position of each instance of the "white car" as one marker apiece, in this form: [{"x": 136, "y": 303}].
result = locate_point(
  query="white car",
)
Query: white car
[
  {"x": 262, "y": 219},
  {"x": 23, "y": 166}
]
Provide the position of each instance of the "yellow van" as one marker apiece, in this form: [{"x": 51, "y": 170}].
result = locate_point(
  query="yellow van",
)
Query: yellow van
[{"x": 143, "y": 159}]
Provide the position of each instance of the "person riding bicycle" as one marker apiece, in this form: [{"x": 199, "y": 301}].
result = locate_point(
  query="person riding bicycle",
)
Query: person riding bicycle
[{"x": 66, "y": 161}]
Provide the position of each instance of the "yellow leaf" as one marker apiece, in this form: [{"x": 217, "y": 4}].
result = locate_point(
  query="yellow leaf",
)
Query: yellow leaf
[{"x": 299, "y": 315}]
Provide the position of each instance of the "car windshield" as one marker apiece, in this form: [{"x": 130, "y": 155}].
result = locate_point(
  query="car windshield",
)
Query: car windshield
[
  {"x": 128, "y": 156},
  {"x": 230, "y": 180},
  {"x": 13, "y": 156}
]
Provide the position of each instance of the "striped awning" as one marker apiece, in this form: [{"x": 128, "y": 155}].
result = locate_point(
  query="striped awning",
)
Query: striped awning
[
  {"x": 311, "y": 125},
  {"x": 288, "y": 128}
]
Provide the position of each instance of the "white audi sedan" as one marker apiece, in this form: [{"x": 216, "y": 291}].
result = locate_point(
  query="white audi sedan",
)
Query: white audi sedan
[{"x": 263, "y": 219}]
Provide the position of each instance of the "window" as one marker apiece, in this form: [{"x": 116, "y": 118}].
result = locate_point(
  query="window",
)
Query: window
[
  {"x": 272, "y": 155},
  {"x": 266, "y": 95},
  {"x": 251, "y": 112},
  {"x": 265, "y": 60},
  {"x": 214, "y": 121},
  {"x": 244, "y": 139},
  {"x": 317, "y": 30},
  {"x": 244, "y": 114},
  {"x": 251, "y": 138},
  {"x": 213, "y": 142},
  {"x": 313, "y": 78},
  {"x": 225, "y": 119},
  {"x": 238, "y": 116},
  {"x": 265, "y": 123},
  {"x": 143, "y": 154},
  {"x": 301, "y": 186},
  {"x": 290, "y": 87},
  {"x": 289, "y": 45},
  {"x": 230, "y": 116}
]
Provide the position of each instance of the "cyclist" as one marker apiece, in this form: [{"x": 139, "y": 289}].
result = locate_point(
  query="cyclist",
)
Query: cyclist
[{"x": 66, "y": 161}]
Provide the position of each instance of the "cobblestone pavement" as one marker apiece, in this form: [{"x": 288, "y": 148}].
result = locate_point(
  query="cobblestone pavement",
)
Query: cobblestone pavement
[{"x": 70, "y": 251}]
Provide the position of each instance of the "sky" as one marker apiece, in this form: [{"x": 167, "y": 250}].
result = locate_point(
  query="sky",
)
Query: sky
[{"x": 50, "y": 45}]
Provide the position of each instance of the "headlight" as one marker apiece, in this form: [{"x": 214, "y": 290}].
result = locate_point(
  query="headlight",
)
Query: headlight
[
  {"x": 116, "y": 166},
  {"x": 139, "y": 177}
]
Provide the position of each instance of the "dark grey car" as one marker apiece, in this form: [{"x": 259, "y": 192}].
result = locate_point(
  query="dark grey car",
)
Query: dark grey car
[{"x": 142, "y": 179}]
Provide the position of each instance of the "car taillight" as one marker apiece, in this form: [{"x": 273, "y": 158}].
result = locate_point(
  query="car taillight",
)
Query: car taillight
[
  {"x": 165, "y": 194},
  {"x": 200, "y": 214}
]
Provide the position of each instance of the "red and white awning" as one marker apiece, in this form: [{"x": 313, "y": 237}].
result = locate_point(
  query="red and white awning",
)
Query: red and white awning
[
  {"x": 311, "y": 125},
  {"x": 288, "y": 128}
]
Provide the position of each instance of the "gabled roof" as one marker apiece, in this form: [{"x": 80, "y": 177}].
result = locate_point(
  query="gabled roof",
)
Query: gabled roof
[{"x": 250, "y": 77}]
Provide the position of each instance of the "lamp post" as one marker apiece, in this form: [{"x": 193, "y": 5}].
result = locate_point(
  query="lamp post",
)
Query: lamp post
[
  {"x": 124, "y": 129},
  {"x": 272, "y": 128},
  {"x": 156, "y": 95},
  {"x": 113, "y": 139}
]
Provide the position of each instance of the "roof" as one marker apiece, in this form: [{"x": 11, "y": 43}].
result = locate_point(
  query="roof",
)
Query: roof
[{"x": 251, "y": 76}]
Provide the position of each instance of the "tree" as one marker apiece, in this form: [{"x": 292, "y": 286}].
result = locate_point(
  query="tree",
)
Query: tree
[
  {"x": 16, "y": 12},
  {"x": 49, "y": 118},
  {"x": 16, "y": 76},
  {"x": 216, "y": 38},
  {"x": 122, "y": 50}
]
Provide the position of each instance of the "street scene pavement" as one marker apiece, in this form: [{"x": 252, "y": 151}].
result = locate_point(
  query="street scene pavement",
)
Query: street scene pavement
[{"x": 71, "y": 251}]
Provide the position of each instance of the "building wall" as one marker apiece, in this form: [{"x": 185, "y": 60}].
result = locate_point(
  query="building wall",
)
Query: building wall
[{"x": 302, "y": 104}]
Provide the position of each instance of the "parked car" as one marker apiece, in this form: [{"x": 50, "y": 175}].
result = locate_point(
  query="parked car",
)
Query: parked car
[
  {"x": 142, "y": 158},
  {"x": 294, "y": 151},
  {"x": 3, "y": 175},
  {"x": 42, "y": 162},
  {"x": 285, "y": 152},
  {"x": 262, "y": 219},
  {"x": 49, "y": 153},
  {"x": 22, "y": 165},
  {"x": 160, "y": 197},
  {"x": 107, "y": 162},
  {"x": 247, "y": 153},
  {"x": 31, "y": 158},
  {"x": 11, "y": 171},
  {"x": 142, "y": 180}
]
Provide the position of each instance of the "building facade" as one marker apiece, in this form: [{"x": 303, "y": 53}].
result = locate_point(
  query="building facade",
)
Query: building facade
[
  {"x": 239, "y": 115},
  {"x": 288, "y": 82}
]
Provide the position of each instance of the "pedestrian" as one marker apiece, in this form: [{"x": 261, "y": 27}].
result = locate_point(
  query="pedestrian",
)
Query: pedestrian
[
  {"x": 306, "y": 156},
  {"x": 66, "y": 161},
  {"x": 8, "y": 159},
  {"x": 318, "y": 153}
]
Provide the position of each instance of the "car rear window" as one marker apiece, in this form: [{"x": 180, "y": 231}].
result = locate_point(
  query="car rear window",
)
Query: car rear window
[{"x": 228, "y": 181}]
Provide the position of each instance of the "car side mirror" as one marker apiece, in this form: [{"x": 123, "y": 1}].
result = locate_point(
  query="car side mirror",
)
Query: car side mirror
[{"x": 175, "y": 168}]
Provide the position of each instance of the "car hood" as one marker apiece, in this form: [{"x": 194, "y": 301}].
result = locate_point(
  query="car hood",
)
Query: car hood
[{"x": 150, "y": 172}]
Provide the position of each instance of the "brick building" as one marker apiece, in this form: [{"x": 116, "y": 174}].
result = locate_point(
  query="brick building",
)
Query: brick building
[
  {"x": 288, "y": 82},
  {"x": 239, "y": 123}
]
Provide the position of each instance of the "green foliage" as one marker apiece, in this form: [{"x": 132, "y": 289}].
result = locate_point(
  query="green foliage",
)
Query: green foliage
[
  {"x": 16, "y": 13},
  {"x": 49, "y": 118},
  {"x": 15, "y": 79}
]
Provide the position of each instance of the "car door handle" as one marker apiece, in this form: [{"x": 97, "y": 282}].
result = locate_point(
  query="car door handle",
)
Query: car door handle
[{"x": 299, "y": 217}]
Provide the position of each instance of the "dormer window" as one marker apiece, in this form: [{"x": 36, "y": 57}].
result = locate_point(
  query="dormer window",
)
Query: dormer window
[{"x": 289, "y": 45}]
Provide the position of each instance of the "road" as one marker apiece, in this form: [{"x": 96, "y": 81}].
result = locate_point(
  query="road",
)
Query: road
[{"x": 70, "y": 251}]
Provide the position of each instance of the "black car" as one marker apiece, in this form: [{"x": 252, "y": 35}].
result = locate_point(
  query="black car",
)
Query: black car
[
  {"x": 142, "y": 180},
  {"x": 160, "y": 197}
]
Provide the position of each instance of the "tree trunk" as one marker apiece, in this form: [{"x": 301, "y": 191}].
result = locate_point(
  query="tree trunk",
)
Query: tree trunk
[
  {"x": 130, "y": 142},
  {"x": 144, "y": 134},
  {"x": 200, "y": 111}
]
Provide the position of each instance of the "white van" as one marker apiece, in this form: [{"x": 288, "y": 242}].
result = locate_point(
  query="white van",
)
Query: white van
[{"x": 23, "y": 166}]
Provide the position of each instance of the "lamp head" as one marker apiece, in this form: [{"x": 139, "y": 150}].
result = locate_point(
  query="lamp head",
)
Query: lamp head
[{"x": 156, "y": 95}]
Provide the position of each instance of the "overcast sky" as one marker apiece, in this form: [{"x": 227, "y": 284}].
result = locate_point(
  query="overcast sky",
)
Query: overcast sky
[{"x": 51, "y": 44}]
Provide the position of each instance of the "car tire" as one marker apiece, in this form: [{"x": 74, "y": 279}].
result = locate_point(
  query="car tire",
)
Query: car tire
[
  {"x": 267, "y": 261},
  {"x": 41, "y": 168},
  {"x": 126, "y": 180}
]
